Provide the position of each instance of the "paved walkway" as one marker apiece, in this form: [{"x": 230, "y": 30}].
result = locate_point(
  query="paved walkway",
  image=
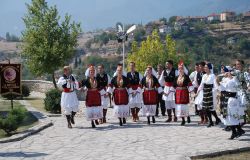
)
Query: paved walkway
[{"x": 134, "y": 141}]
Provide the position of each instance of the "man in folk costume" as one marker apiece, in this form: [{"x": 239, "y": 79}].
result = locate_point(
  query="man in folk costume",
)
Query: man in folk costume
[
  {"x": 167, "y": 78},
  {"x": 118, "y": 87},
  {"x": 209, "y": 87},
  {"x": 243, "y": 91},
  {"x": 161, "y": 103},
  {"x": 103, "y": 80},
  {"x": 192, "y": 77},
  {"x": 199, "y": 98},
  {"x": 183, "y": 86},
  {"x": 151, "y": 88},
  {"x": 232, "y": 115},
  {"x": 134, "y": 90},
  {"x": 94, "y": 110},
  {"x": 69, "y": 101}
]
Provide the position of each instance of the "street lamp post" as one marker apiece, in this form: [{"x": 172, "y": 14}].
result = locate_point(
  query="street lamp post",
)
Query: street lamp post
[{"x": 122, "y": 37}]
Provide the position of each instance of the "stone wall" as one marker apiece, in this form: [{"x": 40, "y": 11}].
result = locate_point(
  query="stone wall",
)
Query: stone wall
[{"x": 44, "y": 86}]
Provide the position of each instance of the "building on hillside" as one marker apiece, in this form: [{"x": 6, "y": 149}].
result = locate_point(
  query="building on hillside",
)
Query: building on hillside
[
  {"x": 213, "y": 17},
  {"x": 165, "y": 29},
  {"x": 181, "y": 26},
  {"x": 197, "y": 19},
  {"x": 231, "y": 40},
  {"x": 246, "y": 16},
  {"x": 227, "y": 16}
]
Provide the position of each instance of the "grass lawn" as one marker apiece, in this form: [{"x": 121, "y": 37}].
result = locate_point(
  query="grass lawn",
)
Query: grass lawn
[
  {"x": 37, "y": 103},
  {"x": 237, "y": 156},
  {"x": 28, "y": 122}
]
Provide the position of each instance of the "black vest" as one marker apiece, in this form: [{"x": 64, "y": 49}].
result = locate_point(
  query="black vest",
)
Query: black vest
[
  {"x": 199, "y": 77},
  {"x": 133, "y": 80},
  {"x": 114, "y": 82},
  {"x": 70, "y": 77},
  {"x": 169, "y": 77},
  {"x": 102, "y": 81},
  {"x": 155, "y": 81}
]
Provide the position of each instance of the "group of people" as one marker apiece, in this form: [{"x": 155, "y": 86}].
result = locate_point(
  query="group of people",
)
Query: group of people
[{"x": 169, "y": 89}]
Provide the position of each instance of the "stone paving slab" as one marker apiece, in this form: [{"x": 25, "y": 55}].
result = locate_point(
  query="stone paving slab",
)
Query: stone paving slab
[{"x": 136, "y": 141}]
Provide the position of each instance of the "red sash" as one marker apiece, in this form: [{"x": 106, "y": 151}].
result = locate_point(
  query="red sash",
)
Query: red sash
[
  {"x": 93, "y": 98},
  {"x": 120, "y": 97},
  {"x": 150, "y": 97},
  {"x": 169, "y": 84},
  {"x": 135, "y": 87},
  {"x": 181, "y": 96},
  {"x": 67, "y": 90}
]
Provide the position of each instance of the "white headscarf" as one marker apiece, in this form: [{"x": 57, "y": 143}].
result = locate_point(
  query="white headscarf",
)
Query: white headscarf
[
  {"x": 154, "y": 73},
  {"x": 87, "y": 72}
]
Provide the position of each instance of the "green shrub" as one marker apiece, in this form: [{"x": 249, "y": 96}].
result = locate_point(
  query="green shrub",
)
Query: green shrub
[
  {"x": 25, "y": 93},
  {"x": 52, "y": 101},
  {"x": 14, "y": 118},
  {"x": 9, "y": 124},
  {"x": 19, "y": 113}
]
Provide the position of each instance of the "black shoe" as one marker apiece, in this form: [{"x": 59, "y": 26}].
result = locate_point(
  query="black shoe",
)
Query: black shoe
[
  {"x": 93, "y": 124},
  {"x": 69, "y": 125},
  {"x": 169, "y": 120},
  {"x": 148, "y": 120},
  {"x": 240, "y": 133},
  {"x": 218, "y": 121},
  {"x": 96, "y": 122},
  {"x": 234, "y": 135},
  {"x": 163, "y": 114},
  {"x": 188, "y": 119},
  {"x": 183, "y": 123},
  {"x": 120, "y": 121},
  {"x": 227, "y": 129},
  {"x": 124, "y": 120},
  {"x": 72, "y": 120},
  {"x": 210, "y": 125},
  {"x": 153, "y": 119}
]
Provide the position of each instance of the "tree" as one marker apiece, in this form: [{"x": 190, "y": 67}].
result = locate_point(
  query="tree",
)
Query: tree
[
  {"x": 153, "y": 52},
  {"x": 49, "y": 41},
  {"x": 7, "y": 36}
]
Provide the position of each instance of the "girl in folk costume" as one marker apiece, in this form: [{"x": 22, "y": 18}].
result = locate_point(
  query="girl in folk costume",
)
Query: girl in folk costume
[
  {"x": 151, "y": 88},
  {"x": 231, "y": 117},
  {"x": 118, "y": 87},
  {"x": 199, "y": 98},
  {"x": 69, "y": 101},
  {"x": 183, "y": 86},
  {"x": 93, "y": 98},
  {"x": 209, "y": 86}
]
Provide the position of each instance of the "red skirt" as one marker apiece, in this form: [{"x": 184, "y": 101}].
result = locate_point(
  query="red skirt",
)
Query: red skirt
[
  {"x": 93, "y": 98},
  {"x": 182, "y": 96},
  {"x": 150, "y": 97},
  {"x": 120, "y": 97}
]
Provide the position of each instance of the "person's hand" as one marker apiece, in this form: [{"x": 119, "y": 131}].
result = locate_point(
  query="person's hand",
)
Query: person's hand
[{"x": 106, "y": 95}]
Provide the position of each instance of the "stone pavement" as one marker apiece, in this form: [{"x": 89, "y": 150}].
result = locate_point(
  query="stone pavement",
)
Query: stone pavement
[{"x": 136, "y": 141}]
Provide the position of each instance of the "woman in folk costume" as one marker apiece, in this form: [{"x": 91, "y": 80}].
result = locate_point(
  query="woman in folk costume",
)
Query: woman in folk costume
[
  {"x": 183, "y": 86},
  {"x": 94, "y": 110},
  {"x": 151, "y": 88},
  {"x": 118, "y": 87},
  {"x": 222, "y": 79},
  {"x": 231, "y": 117},
  {"x": 209, "y": 86},
  {"x": 69, "y": 101}
]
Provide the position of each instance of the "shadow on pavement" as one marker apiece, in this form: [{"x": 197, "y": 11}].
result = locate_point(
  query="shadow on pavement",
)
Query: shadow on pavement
[{"x": 22, "y": 154}]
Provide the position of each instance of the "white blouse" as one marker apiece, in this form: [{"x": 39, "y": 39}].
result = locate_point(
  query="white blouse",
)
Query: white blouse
[{"x": 208, "y": 79}]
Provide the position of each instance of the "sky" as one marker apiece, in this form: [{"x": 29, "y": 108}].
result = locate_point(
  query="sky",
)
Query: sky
[{"x": 99, "y": 14}]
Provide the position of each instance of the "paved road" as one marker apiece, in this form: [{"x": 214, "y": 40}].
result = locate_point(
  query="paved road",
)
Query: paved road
[{"x": 136, "y": 141}]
